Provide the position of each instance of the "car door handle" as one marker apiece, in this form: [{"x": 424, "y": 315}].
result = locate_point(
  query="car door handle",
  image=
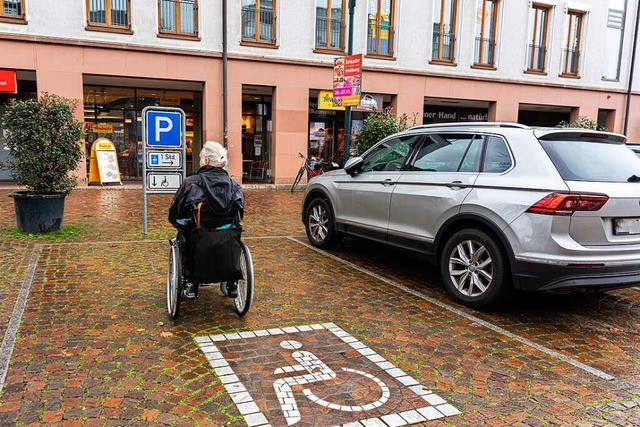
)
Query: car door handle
[
  {"x": 456, "y": 185},
  {"x": 387, "y": 182}
]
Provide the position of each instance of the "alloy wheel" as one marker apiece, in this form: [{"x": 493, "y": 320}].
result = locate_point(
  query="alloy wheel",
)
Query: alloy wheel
[
  {"x": 319, "y": 223},
  {"x": 471, "y": 268}
]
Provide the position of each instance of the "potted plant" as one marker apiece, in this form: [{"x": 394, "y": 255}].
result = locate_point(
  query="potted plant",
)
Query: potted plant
[{"x": 44, "y": 142}]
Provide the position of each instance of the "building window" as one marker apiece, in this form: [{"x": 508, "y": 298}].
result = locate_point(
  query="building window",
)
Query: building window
[
  {"x": 380, "y": 29},
  {"x": 537, "y": 51},
  {"x": 487, "y": 20},
  {"x": 179, "y": 17},
  {"x": 444, "y": 30},
  {"x": 571, "y": 52},
  {"x": 11, "y": 10},
  {"x": 259, "y": 21},
  {"x": 614, "y": 39},
  {"x": 330, "y": 24},
  {"x": 109, "y": 14}
]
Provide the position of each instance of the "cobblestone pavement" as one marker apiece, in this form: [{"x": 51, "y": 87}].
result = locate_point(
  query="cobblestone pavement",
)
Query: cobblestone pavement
[{"x": 95, "y": 347}]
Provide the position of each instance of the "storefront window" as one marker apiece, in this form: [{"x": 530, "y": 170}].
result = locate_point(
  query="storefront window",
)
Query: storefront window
[
  {"x": 256, "y": 138},
  {"x": 115, "y": 113},
  {"x": 26, "y": 90}
]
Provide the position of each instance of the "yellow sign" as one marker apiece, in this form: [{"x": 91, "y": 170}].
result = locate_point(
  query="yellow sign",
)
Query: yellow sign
[
  {"x": 325, "y": 101},
  {"x": 103, "y": 165},
  {"x": 103, "y": 128}
]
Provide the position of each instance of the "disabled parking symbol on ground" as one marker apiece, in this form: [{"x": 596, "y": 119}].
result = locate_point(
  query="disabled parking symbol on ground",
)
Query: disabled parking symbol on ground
[{"x": 316, "y": 375}]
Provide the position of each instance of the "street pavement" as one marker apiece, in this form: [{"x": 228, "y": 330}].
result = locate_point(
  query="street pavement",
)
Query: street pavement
[{"x": 330, "y": 335}]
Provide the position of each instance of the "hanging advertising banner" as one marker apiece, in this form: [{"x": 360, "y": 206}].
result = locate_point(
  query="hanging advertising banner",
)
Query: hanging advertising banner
[
  {"x": 347, "y": 80},
  {"x": 8, "y": 81},
  {"x": 325, "y": 101}
]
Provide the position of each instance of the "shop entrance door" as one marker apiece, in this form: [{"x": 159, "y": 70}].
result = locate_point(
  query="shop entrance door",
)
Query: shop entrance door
[{"x": 256, "y": 134}]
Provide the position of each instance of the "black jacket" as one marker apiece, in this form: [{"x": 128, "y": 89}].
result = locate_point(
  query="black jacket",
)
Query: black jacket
[{"x": 222, "y": 195}]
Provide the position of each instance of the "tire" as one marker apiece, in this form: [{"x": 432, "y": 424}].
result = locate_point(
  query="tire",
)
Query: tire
[
  {"x": 297, "y": 180},
  {"x": 474, "y": 268},
  {"x": 242, "y": 302},
  {"x": 320, "y": 225},
  {"x": 174, "y": 280}
]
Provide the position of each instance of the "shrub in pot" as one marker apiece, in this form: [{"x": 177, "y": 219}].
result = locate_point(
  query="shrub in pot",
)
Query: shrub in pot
[{"x": 44, "y": 141}]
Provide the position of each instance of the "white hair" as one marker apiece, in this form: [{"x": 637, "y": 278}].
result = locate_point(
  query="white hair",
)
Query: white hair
[{"x": 216, "y": 154}]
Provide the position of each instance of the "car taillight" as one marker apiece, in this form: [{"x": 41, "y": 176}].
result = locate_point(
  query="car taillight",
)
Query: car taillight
[{"x": 567, "y": 204}]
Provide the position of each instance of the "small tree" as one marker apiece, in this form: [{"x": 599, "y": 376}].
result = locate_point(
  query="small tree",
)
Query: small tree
[
  {"x": 378, "y": 126},
  {"x": 44, "y": 141},
  {"x": 583, "y": 122}
]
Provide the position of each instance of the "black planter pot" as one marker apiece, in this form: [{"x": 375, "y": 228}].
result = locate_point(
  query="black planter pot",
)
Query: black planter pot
[{"x": 38, "y": 213}]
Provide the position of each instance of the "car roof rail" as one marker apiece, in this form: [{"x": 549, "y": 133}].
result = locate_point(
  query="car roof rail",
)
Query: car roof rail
[{"x": 472, "y": 124}]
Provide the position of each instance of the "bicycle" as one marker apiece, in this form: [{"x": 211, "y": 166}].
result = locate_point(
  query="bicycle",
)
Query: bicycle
[{"x": 313, "y": 168}]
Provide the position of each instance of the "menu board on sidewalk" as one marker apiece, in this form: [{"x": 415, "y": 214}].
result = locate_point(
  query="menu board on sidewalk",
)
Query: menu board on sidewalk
[{"x": 103, "y": 167}]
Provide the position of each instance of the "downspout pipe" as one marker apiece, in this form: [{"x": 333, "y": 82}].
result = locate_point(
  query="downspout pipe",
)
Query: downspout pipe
[
  {"x": 225, "y": 106},
  {"x": 632, "y": 71}
]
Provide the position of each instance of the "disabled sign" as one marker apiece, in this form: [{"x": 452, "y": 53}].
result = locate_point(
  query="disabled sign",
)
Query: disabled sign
[{"x": 316, "y": 375}]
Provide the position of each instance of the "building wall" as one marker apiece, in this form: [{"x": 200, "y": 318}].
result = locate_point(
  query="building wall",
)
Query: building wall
[{"x": 55, "y": 44}]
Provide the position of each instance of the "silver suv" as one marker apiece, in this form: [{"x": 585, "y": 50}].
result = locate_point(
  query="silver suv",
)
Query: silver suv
[{"x": 498, "y": 206}]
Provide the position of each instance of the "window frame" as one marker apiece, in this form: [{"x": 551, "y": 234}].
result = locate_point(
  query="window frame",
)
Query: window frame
[
  {"x": 545, "y": 38},
  {"x": 622, "y": 30},
  {"x": 343, "y": 25},
  {"x": 108, "y": 26},
  {"x": 490, "y": 64},
  {"x": 566, "y": 57},
  {"x": 485, "y": 148},
  {"x": 425, "y": 141},
  {"x": 454, "y": 32},
  {"x": 178, "y": 33},
  {"x": 391, "y": 38},
  {"x": 14, "y": 19},
  {"x": 419, "y": 139},
  {"x": 255, "y": 41}
]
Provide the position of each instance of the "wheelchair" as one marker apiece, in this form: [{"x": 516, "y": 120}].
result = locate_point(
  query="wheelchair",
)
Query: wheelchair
[{"x": 181, "y": 274}]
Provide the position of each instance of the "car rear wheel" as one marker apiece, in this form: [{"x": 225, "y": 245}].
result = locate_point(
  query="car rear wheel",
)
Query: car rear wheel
[
  {"x": 474, "y": 268},
  {"x": 320, "y": 225}
]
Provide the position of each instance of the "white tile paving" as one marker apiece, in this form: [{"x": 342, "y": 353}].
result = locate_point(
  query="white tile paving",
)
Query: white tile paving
[{"x": 308, "y": 362}]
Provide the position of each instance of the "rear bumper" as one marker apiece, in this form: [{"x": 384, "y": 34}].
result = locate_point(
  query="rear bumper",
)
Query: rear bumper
[{"x": 529, "y": 275}]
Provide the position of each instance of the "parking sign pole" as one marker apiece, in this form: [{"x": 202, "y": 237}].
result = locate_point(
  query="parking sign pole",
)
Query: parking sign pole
[{"x": 164, "y": 153}]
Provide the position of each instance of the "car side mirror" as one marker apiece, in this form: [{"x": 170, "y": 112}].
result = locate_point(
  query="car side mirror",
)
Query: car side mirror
[{"x": 353, "y": 165}]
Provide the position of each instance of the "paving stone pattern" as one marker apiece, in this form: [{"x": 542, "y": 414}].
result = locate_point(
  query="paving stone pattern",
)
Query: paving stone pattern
[{"x": 95, "y": 346}]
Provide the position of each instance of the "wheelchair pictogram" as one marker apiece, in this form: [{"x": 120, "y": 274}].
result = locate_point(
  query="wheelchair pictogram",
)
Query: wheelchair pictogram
[{"x": 317, "y": 372}]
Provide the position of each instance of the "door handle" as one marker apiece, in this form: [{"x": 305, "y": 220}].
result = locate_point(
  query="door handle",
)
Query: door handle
[
  {"x": 387, "y": 182},
  {"x": 456, "y": 185}
]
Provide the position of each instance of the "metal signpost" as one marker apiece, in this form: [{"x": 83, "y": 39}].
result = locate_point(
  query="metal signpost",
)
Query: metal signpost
[{"x": 164, "y": 152}]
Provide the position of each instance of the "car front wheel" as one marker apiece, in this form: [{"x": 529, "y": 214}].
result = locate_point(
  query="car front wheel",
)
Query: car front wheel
[
  {"x": 474, "y": 268},
  {"x": 320, "y": 225}
]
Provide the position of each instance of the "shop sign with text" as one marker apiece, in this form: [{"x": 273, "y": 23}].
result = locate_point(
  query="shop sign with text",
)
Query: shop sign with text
[
  {"x": 347, "y": 80},
  {"x": 8, "y": 81},
  {"x": 325, "y": 101}
]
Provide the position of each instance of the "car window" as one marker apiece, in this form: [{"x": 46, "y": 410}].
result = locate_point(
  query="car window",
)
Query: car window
[
  {"x": 496, "y": 158},
  {"x": 585, "y": 160},
  {"x": 390, "y": 155},
  {"x": 445, "y": 153}
]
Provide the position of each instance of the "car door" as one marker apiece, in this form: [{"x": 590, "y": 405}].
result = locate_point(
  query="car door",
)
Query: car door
[
  {"x": 362, "y": 203},
  {"x": 431, "y": 189}
]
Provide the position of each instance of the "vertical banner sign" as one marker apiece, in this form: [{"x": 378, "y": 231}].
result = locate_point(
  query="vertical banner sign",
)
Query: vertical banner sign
[
  {"x": 163, "y": 151},
  {"x": 347, "y": 80}
]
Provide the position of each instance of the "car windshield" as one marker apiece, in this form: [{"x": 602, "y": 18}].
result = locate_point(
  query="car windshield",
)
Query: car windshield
[{"x": 601, "y": 161}]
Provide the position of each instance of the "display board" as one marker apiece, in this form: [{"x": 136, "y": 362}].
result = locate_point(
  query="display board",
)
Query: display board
[{"x": 103, "y": 167}]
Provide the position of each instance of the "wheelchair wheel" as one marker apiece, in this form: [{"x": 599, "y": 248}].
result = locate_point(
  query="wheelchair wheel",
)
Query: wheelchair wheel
[
  {"x": 174, "y": 280},
  {"x": 245, "y": 285}
]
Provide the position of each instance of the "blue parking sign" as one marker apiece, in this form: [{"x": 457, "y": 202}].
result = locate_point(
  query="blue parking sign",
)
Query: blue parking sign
[{"x": 164, "y": 129}]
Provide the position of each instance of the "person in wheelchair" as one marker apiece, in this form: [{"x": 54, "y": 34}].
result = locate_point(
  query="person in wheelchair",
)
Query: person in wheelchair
[{"x": 209, "y": 200}]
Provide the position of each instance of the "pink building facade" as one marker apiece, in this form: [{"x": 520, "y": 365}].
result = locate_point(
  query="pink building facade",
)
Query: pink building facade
[{"x": 272, "y": 97}]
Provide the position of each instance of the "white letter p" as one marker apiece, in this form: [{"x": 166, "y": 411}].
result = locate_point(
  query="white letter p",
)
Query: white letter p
[{"x": 160, "y": 129}]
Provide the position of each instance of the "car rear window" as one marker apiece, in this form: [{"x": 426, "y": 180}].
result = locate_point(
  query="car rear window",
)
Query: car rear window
[{"x": 592, "y": 161}]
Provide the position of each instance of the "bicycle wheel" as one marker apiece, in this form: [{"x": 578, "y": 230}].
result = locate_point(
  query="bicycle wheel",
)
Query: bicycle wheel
[
  {"x": 297, "y": 180},
  {"x": 174, "y": 280},
  {"x": 245, "y": 285}
]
